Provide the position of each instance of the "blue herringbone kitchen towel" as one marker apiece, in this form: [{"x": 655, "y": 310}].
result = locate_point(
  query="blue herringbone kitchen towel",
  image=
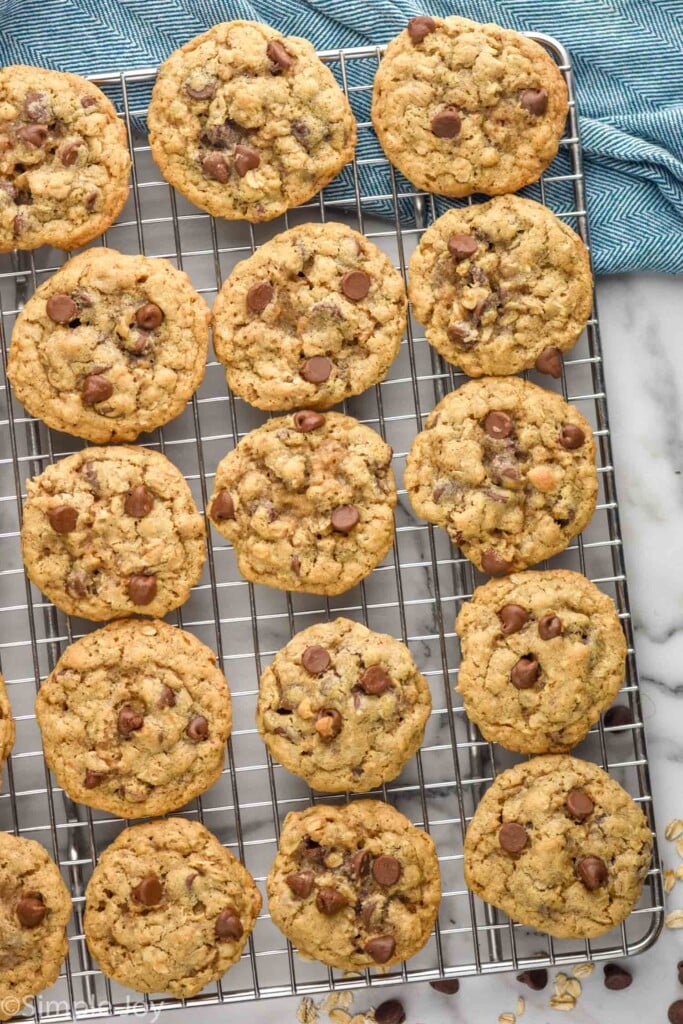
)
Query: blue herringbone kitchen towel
[{"x": 628, "y": 58}]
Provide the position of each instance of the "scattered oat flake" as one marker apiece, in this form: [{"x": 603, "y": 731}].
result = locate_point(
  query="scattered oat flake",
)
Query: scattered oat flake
[
  {"x": 338, "y": 1016},
  {"x": 573, "y": 988},
  {"x": 674, "y": 919},
  {"x": 563, "y": 1002},
  {"x": 520, "y": 1006},
  {"x": 583, "y": 970},
  {"x": 506, "y": 1018},
  {"x": 679, "y": 871},
  {"x": 679, "y": 847},
  {"x": 333, "y": 1000},
  {"x": 669, "y": 879},
  {"x": 307, "y": 1012},
  {"x": 561, "y": 980},
  {"x": 674, "y": 829}
]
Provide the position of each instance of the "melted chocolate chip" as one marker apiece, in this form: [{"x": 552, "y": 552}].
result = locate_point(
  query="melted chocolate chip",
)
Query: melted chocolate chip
[
  {"x": 276, "y": 52},
  {"x": 205, "y": 92},
  {"x": 512, "y": 618},
  {"x": 446, "y": 124},
  {"x": 355, "y": 285},
  {"x": 246, "y": 159},
  {"x": 259, "y": 296},
  {"x": 228, "y": 925},
  {"x": 579, "y": 804},
  {"x": 197, "y": 729},
  {"x": 550, "y": 361},
  {"x": 63, "y": 518},
  {"x": 328, "y": 724},
  {"x": 420, "y": 27},
  {"x": 149, "y": 891},
  {"x": 316, "y": 370},
  {"x": 381, "y": 948},
  {"x": 498, "y": 425},
  {"x": 525, "y": 672},
  {"x": 34, "y": 134},
  {"x": 534, "y": 101},
  {"x": 301, "y": 883},
  {"x": 36, "y": 106},
  {"x": 93, "y": 779},
  {"x": 223, "y": 507},
  {"x": 359, "y": 864},
  {"x": 96, "y": 388},
  {"x": 31, "y": 911},
  {"x": 68, "y": 154},
  {"x": 308, "y": 420},
  {"x": 344, "y": 518},
  {"x": 129, "y": 721},
  {"x": 330, "y": 901},
  {"x": 142, "y": 589},
  {"x": 386, "y": 870},
  {"x": 167, "y": 698},
  {"x": 315, "y": 660},
  {"x": 139, "y": 502},
  {"x": 215, "y": 167},
  {"x": 494, "y": 563},
  {"x": 461, "y": 247},
  {"x": 61, "y": 308},
  {"x": 149, "y": 316},
  {"x": 571, "y": 437},
  {"x": 512, "y": 837},
  {"x": 549, "y": 627},
  {"x": 375, "y": 680},
  {"x": 593, "y": 872}
]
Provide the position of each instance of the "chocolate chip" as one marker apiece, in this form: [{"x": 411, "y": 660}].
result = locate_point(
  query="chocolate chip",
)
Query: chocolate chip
[
  {"x": 68, "y": 154},
  {"x": 390, "y": 1012},
  {"x": 381, "y": 948},
  {"x": 62, "y": 518},
  {"x": 34, "y": 134},
  {"x": 18, "y": 224},
  {"x": 139, "y": 502},
  {"x": 375, "y": 680},
  {"x": 536, "y": 978},
  {"x": 386, "y": 870},
  {"x": 571, "y": 437},
  {"x": 328, "y": 724},
  {"x": 446, "y": 124},
  {"x": 228, "y": 925},
  {"x": 344, "y": 518},
  {"x": 550, "y": 361},
  {"x": 579, "y": 804},
  {"x": 197, "y": 729},
  {"x": 494, "y": 563},
  {"x": 295, "y": 564},
  {"x": 96, "y": 388},
  {"x": 616, "y": 977},
  {"x": 205, "y": 92},
  {"x": 456, "y": 334},
  {"x": 276, "y": 52},
  {"x": 88, "y": 101},
  {"x": 498, "y": 425},
  {"x": 220, "y": 136},
  {"x": 355, "y": 284},
  {"x": 129, "y": 721},
  {"x": 61, "y": 308},
  {"x": 223, "y": 507},
  {"x": 315, "y": 660},
  {"x": 330, "y": 901},
  {"x": 679, "y": 968},
  {"x": 149, "y": 316},
  {"x": 142, "y": 589},
  {"x": 36, "y": 106},
  {"x": 359, "y": 864},
  {"x": 307, "y": 420},
  {"x": 592, "y": 872},
  {"x": 167, "y": 698},
  {"x": 93, "y": 779},
  {"x": 525, "y": 672},
  {"x": 618, "y": 716},
  {"x": 512, "y": 618},
  {"x": 420, "y": 27},
  {"x": 301, "y": 883},
  {"x": 675, "y": 1012},
  {"x": 31, "y": 911},
  {"x": 534, "y": 101},
  {"x": 149, "y": 891},
  {"x": 549, "y": 627},
  {"x": 246, "y": 159},
  {"x": 512, "y": 837},
  {"x": 214, "y": 166},
  {"x": 316, "y": 370},
  {"x": 259, "y": 295},
  {"x": 189, "y": 880},
  {"x": 462, "y": 246},
  {"x": 448, "y": 986}
]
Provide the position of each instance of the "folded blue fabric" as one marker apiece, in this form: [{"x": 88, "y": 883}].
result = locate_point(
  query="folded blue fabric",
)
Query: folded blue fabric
[{"x": 627, "y": 54}]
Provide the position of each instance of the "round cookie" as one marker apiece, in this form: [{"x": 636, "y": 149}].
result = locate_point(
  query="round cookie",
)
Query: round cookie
[
  {"x": 307, "y": 501},
  {"x": 64, "y": 161},
  {"x": 110, "y": 346},
  {"x": 343, "y": 707},
  {"x": 508, "y": 469},
  {"x": 543, "y": 655},
  {"x": 501, "y": 287},
  {"x": 559, "y": 846},
  {"x": 354, "y": 886},
  {"x": 247, "y": 123},
  {"x": 314, "y": 316},
  {"x": 7, "y": 730},
  {"x": 135, "y": 718},
  {"x": 108, "y": 532},
  {"x": 168, "y": 909},
  {"x": 461, "y": 107},
  {"x": 34, "y": 912}
]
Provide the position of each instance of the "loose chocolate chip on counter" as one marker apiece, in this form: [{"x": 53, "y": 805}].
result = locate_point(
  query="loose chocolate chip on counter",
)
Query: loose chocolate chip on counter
[
  {"x": 355, "y": 284},
  {"x": 149, "y": 891},
  {"x": 618, "y": 717},
  {"x": 198, "y": 729},
  {"x": 307, "y": 420},
  {"x": 512, "y": 837},
  {"x": 446, "y": 124},
  {"x": 316, "y": 370},
  {"x": 34, "y": 134},
  {"x": 328, "y": 724},
  {"x": 390, "y": 1012},
  {"x": 359, "y": 864},
  {"x": 61, "y": 308},
  {"x": 62, "y": 518},
  {"x": 205, "y": 92},
  {"x": 525, "y": 672},
  {"x": 246, "y": 159},
  {"x": 550, "y": 361},
  {"x": 462, "y": 246},
  {"x": 149, "y": 316},
  {"x": 31, "y": 911},
  {"x": 448, "y": 986},
  {"x": 167, "y": 698},
  {"x": 579, "y": 804},
  {"x": 420, "y": 27},
  {"x": 301, "y": 883},
  {"x": 129, "y": 721},
  {"x": 142, "y": 589},
  {"x": 592, "y": 872},
  {"x": 223, "y": 507},
  {"x": 679, "y": 968},
  {"x": 375, "y": 680},
  {"x": 536, "y": 978},
  {"x": 675, "y": 1012},
  {"x": 498, "y": 425},
  {"x": 96, "y": 388},
  {"x": 93, "y": 779},
  {"x": 571, "y": 437},
  {"x": 386, "y": 870},
  {"x": 315, "y": 660},
  {"x": 381, "y": 948},
  {"x": 214, "y": 166},
  {"x": 512, "y": 618},
  {"x": 330, "y": 901},
  {"x": 68, "y": 154},
  {"x": 494, "y": 563},
  {"x": 616, "y": 977},
  {"x": 228, "y": 925},
  {"x": 259, "y": 296},
  {"x": 534, "y": 101},
  {"x": 549, "y": 627},
  {"x": 344, "y": 518},
  {"x": 139, "y": 502},
  {"x": 276, "y": 52}
]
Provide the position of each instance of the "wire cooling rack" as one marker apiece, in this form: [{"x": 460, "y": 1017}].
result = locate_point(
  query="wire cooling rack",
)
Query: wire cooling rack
[{"x": 415, "y": 594}]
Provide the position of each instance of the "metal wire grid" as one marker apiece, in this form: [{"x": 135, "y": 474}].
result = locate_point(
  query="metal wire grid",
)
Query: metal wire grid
[{"x": 414, "y": 595}]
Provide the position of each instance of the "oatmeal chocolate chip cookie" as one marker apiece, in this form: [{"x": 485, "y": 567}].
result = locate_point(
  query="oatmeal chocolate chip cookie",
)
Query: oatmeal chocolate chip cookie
[
  {"x": 460, "y": 107},
  {"x": 543, "y": 655},
  {"x": 501, "y": 287},
  {"x": 110, "y": 346},
  {"x": 135, "y": 718},
  {"x": 343, "y": 707},
  {"x": 7, "y": 730},
  {"x": 168, "y": 909},
  {"x": 34, "y": 912},
  {"x": 559, "y": 846},
  {"x": 307, "y": 501},
  {"x": 247, "y": 123},
  {"x": 508, "y": 469},
  {"x": 354, "y": 886},
  {"x": 108, "y": 532},
  {"x": 314, "y": 316},
  {"x": 64, "y": 161}
]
